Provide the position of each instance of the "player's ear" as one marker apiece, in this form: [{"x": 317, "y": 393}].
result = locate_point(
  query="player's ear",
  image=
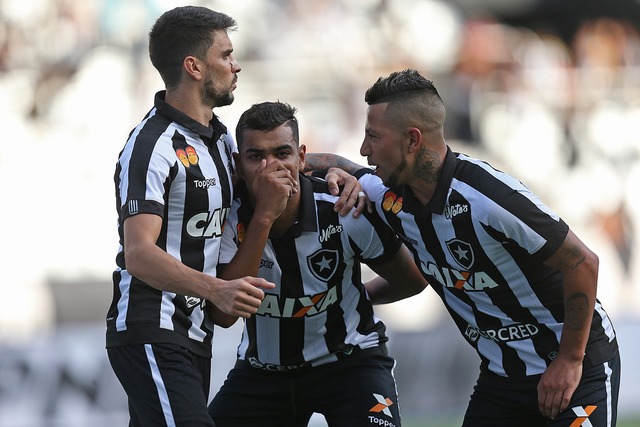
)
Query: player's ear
[
  {"x": 238, "y": 162},
  {"x": 415, "y": 139},
  {"x": 192, "y": 66},
  {"x": 302, "y": 151}
]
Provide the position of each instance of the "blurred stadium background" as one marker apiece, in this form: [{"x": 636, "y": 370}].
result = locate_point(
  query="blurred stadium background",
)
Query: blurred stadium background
[{"x": 547, "y": 90}]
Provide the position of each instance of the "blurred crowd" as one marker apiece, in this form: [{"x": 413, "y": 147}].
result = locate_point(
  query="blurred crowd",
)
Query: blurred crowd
[
  {"x": 561, "y": 112},
  {"x": 558, "y": 109}
]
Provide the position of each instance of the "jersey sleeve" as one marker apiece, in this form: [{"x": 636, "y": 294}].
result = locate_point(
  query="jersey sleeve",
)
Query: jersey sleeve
[
  {"x": 375, "y": 241},
  {"x": 371, "y": 184},
  {"x": 143, "y": 176},
  {"x": 534, "y": 225},
  {"x": 512, "y": 209},
  {"x": 231, "y": 147}
]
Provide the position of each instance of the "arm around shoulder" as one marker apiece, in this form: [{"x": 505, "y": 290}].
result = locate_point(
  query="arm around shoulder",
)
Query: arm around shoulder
[{"x": 325, "y": 161}]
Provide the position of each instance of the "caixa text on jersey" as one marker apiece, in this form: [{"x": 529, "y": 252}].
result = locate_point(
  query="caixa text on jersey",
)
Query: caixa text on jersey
[
  {"x": 458, "y": 279},
  {"x": 207, "y": 224}
]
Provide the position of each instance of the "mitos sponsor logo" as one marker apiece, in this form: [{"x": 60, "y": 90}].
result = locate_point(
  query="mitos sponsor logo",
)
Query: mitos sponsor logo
[
  {"x": 515, "y": 332},
  {"x": 472, "y": 281},
  {"x": 457, "y": 209},
  {"x": 308, "y": 306},
  {"x": 326, "y": 234},
  {"x": 207, "y": 224}
]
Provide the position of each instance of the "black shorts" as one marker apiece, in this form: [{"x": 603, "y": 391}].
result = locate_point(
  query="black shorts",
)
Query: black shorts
[
  {"x": 498, "y": 402},
  {"x": 166, "y": 384},
  {"x": 359, "y": 390}
]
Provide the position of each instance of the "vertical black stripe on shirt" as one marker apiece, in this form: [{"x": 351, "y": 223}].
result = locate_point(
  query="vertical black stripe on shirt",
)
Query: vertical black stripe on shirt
[
  {"x": 463, "y": 227},
  {"x": 536, "y": 273},
  {"x": 229, "y": 154},
  {"x": 513, "y": 201},
  {"x": 196, "y": 200},
  {"x": 141, "y": 154},
  {"x": 390, "y": 245},
  {"x": 146, "y": 301},
  {"x": 223, "y": 174},
  {"x": 291, "y": 285},
  {"x": 119, "y": 201},
  {"x": 164, "y": 228},
  {"x": 336, "y": 328},
  {"x": 386, "y": 235},
  {"x": 112, "y": 313},
  {"x": 502, "y": 296},
  {"x": 435, "y": 247},
  {"x": 244, "y": 214}
]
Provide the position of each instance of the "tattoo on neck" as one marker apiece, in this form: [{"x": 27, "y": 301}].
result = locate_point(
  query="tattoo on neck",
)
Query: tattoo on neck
[{"x": 426, "y": 165}]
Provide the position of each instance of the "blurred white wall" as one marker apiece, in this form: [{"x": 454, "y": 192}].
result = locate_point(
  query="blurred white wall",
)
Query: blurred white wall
[{"x": 561, "y": 115}]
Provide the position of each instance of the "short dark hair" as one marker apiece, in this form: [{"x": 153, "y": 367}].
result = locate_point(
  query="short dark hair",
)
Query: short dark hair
[
  {"x": 399, "y": 85},
  {"x": 413, "y": 100},
  {"x": 266, "y": 116},
  {"x": 180, "y": 32}
]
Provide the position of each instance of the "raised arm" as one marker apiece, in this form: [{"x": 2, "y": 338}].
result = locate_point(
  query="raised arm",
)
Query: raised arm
[
  {"x": 272, "y": 188},
  {"x": 338, "y": 172},
  {"x": 397, "y": 279},
  {"x": 325, "y": 161},
  {"x": 579, "y": 267}
]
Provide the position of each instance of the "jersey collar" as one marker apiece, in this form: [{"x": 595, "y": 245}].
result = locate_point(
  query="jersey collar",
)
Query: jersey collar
[
  {"x": 212, "y": 132},
  {"x": 307, "y": 220},
  {"x": 307, "y": 205}
]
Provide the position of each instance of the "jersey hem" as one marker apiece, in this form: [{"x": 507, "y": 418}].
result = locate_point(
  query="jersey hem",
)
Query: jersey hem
[{"x": 157, "y": 336}]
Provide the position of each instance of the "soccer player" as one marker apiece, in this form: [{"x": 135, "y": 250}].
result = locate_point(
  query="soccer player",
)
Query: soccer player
[
  {"x": 314, "y": 344},
  {"x": 517, "y": 281},
  {"x": 174, "y": 192}
]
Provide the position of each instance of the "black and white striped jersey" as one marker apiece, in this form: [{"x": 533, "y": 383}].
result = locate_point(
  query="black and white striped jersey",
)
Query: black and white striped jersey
[
  {"x": 319, "y": 310},
  {"x": 481, "y": 242},
  {"x": 174, "y": 167}
]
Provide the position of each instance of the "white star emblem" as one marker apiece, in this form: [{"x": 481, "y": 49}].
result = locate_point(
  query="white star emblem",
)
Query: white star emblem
[
  {"x": 324, "y": 263},
  {"x": 462, "y": 254}
]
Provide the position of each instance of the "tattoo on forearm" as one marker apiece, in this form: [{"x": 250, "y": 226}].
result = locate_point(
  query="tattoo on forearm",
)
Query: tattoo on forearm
[
  {"x": 577, "y": 311},
  {"x": 573, "y": 257},
  {"x": 317, "y": 161}
]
